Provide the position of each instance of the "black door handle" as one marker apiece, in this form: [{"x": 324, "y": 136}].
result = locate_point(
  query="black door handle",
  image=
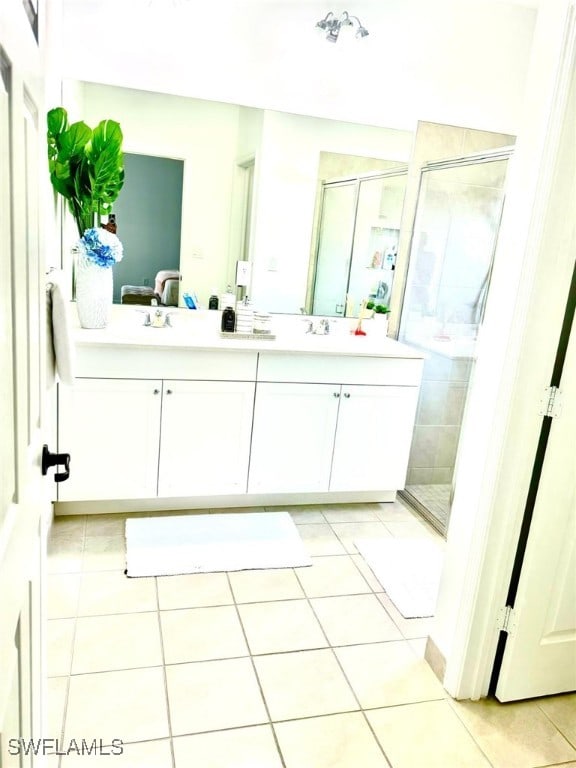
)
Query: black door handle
[{"x": 54, "y": 460}]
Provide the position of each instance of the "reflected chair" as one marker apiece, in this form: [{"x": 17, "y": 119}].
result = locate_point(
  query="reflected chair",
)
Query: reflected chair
[{"x": 137, "y": 294}]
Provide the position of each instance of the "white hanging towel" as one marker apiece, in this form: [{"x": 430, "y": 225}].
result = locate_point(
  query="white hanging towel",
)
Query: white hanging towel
[{"x": 60, "y": 353}]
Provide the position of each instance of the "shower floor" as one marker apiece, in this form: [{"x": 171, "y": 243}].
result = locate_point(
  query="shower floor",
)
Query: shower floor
[{"x": 435, "y": 499}]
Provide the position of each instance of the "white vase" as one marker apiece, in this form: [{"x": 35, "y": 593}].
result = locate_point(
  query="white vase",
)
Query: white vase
[
  {"x": 94, "y": 286},
  {"x": 380, "y": 321}
]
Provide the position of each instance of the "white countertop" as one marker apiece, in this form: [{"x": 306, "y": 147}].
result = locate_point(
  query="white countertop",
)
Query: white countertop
[{"x": 201, "y": 331}]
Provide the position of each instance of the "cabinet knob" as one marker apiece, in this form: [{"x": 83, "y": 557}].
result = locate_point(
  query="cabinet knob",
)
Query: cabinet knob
[
  {"x": 336, "y": 394},
  {"x": 168, "y": 391},
  {"x": 156, "y": 392},
  {"x": 346, "y": 394}
]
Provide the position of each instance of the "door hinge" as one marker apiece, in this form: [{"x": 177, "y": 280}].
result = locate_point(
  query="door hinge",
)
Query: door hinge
[
  {"x": 506, "y": 619},
  {"x": 551, "y": 403}
]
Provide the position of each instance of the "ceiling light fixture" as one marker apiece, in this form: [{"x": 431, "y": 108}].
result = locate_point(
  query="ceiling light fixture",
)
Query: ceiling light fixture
[{"x": 332, "y": 25}]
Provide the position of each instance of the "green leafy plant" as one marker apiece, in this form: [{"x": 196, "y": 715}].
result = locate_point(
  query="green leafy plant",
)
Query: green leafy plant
[
  {"x": 86, "y": 166},
  {"x": 381, "y": 309},
  {"x": 370, "y": 305}
]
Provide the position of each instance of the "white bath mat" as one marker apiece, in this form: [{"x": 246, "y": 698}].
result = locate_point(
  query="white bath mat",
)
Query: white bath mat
[
  {"x": 409, "y": 571},
  {"x": 170, "y": 545}
]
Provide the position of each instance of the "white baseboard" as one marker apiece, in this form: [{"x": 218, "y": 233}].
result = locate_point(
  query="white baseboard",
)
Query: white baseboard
[{"x": 218, "y": 502}]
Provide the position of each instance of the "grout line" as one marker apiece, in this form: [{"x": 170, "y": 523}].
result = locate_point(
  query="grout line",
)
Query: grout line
[
  {"x": 251, "y": 657},
  {"x": 77, "y": 574},
  {"x": 448, "y": 701},
  {"x": 350, "y": 686},
  {"x": 164, "y": 674},
  {"x": 572, "y": 744}
]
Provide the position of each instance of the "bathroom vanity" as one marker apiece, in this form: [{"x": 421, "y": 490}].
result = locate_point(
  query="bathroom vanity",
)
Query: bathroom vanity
[{"x": 181, "y": 418}]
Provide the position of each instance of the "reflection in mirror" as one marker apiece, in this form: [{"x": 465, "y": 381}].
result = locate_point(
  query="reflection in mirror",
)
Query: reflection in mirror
[
  {"x": 215, "y": 141},
  {"x": 149, "y": 219},
  {"x": 356, "y": 242}
]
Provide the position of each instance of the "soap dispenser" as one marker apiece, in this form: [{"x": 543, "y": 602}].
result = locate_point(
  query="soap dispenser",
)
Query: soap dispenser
[{"x": 228, "y": 320}]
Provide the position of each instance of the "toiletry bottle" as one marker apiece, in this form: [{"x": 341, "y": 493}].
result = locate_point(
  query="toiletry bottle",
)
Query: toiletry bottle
[
  {"x": 228, "y": 320},
  {"x": 213, "y": 301},
  {"x": 228, "y": 299}
]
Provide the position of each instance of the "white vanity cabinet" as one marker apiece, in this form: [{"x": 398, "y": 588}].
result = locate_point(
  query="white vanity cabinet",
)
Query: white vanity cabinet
[
  {"x": 332, "y": 424},
  {"x": 205, "y": 437},
  {"x": 133, "y": 436},
  {"x": 111, "y": 429},
  {"x": 330, "y": 437},
  {"x": 169, "y": 424}
]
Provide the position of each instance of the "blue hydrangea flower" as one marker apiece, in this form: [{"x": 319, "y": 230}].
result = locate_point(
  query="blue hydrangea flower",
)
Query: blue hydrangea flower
[{"x": 100, "y": 247}]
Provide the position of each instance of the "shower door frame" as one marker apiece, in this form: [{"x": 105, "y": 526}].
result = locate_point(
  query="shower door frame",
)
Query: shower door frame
[{"x": 338, "y": 182}]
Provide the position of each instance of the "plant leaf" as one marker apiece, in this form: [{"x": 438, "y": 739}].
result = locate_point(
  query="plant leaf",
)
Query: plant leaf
[
  {"x": 107, "y": 136},
  {"x": 86, "y": 167},
  {"x": 73, "y": 141},
  {"x": 57, "y": 121}
]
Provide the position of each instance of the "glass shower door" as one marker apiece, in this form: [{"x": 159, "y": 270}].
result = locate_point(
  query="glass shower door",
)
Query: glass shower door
[
  {"x": 376, "y": 234},
  {"x": 334, "y": 249},
  {"x": 453, "y": 243}
]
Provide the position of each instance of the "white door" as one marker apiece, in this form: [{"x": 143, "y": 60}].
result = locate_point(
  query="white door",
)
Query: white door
[
  {"x": 293, "y": 437},
  {"x": 375, "y": 425},
  {"x": 540, "y": 653},
  {"x": 24, "y": 505},
  {"x": 205, "y": 437},
  {"x": 111, "y": 428}
]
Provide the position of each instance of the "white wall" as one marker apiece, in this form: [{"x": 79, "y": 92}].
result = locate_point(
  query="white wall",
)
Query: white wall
[
  {"x": 204, "y": 135},
  {"x": 286, "y": 195},
  {"x": 458, "y": 62}
]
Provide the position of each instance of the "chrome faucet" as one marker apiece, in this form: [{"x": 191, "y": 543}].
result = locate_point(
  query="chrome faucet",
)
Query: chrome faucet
[
  {"x": 157, "y": 320},
  {"x": 321, "y": 328}
]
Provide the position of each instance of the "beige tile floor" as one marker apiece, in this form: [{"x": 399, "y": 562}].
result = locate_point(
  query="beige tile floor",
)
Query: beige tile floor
[{"x": 293, "y": 668}]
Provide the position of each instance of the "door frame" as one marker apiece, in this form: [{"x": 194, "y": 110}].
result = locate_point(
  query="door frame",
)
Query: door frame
[{"x": 524, "y": 311}]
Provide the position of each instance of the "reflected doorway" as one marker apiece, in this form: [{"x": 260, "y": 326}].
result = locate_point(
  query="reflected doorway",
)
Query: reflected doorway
[{"x": 149, "y": 219}]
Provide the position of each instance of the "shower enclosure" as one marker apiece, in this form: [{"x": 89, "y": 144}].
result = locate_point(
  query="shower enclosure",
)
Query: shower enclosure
[
  {"x": 453, "y": 241},
  {"x": 357, "y": 242}
]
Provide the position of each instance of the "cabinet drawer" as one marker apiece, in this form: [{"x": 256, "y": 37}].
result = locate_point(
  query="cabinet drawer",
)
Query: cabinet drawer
[
  {"x": 328, "y": 369},
  {"x": 168, "y": 363}
]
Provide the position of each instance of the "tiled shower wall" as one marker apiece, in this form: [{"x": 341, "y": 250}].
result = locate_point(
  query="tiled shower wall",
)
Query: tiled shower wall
[{"x": 438, "y": 419}]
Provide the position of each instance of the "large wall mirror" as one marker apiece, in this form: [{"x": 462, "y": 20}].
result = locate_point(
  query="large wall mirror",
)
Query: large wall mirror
[{"x": 221, "y": 182}]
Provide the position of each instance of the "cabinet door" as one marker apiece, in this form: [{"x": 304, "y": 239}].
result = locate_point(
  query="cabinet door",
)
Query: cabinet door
[
  {"x": 373, "y": 438},
  {"x": 205, "y": 439},
  {"x": 111, "y": 429},
  {"x": 293, "y": 437}
]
